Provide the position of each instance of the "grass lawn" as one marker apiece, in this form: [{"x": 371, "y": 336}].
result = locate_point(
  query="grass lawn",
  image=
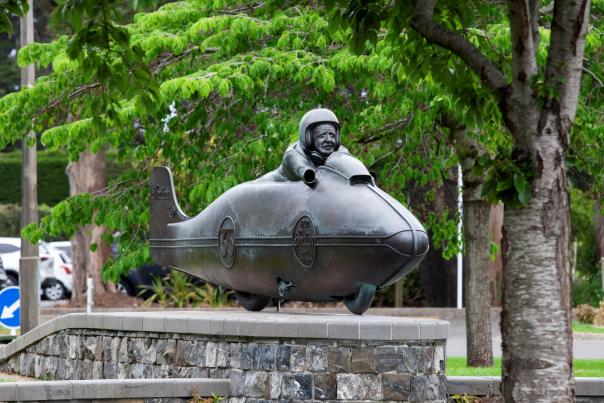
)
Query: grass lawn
[
  {"x": 456, "y": 366},
  {"x": 580, "y": 327}
]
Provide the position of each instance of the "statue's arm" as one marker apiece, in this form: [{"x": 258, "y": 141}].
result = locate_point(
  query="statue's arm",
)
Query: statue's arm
[{"x": 296, "y": 167}]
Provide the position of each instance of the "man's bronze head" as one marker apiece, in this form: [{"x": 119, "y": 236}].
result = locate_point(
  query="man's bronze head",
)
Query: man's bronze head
[
  {"x": 311, "y": 122},
  {"x": 324, "y": 138}
]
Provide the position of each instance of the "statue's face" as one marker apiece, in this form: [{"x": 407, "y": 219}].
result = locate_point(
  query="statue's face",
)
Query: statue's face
[{"x": 324, "y": 139}]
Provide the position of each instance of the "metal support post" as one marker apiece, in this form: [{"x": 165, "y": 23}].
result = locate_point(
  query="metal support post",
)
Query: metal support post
[{"x": 460, "y": 237}]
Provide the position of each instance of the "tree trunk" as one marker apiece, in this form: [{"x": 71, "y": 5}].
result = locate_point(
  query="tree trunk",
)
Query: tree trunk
[
  {"x": 88, "y": 175},
  {"x": 536, "y": 321},
  {"x": 496, "y": 266},
  {"x": 79, "y": 254},
  {"x": 477, "y": 293},
  {"x": 97, "y": 260},
  {"x": 599, "y": 225},
  {"x": 476, "y": 216}
]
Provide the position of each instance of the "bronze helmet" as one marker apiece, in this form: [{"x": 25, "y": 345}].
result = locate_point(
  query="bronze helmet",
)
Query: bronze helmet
[{"x": 313, "y": 118}]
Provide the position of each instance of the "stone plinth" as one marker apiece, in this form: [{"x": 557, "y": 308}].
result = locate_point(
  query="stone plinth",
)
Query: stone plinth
[{"x": 266, "y": 356}]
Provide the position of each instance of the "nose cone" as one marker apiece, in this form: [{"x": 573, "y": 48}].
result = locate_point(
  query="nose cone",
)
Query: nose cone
[
  {"x": 410, "y": 242},
  {"x": 422, "y": 243}
]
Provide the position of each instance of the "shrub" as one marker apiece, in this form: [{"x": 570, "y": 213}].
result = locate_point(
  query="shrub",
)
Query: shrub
[
  {"x": 178, "y": 290},
  {"x": 587, "y": 289},
  {"x": 598, "y": 319},
  {"x": 585, "y": 313},
  {"x": 213, "y": 295}
]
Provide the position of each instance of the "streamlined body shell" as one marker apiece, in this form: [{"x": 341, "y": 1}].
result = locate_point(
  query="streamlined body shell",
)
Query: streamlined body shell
[{"x": 318, "y": 242}]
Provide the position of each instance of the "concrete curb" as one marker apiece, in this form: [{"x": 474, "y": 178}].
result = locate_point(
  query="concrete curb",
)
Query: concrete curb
[
  {"x": 238, "y": 323},
  {"x": 184, "y": 387},
  {"x": 490, "y": 385},
  {"x": 588, "y": 336},
  {"x": 113, "y": 389}
]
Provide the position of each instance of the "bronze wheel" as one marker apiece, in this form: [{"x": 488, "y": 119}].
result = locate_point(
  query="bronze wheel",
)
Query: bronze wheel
[
  {"x": 361, "y": 301},
  {"x": 252, "y": 302}
]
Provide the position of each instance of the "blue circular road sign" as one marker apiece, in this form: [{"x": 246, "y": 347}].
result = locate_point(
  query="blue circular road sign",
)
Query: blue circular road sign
[{"x": 10, "y": 304}]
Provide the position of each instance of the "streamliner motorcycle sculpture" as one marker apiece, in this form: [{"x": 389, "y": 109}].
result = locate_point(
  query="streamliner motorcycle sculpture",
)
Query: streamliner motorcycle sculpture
[{"x": 334, "y": 237}]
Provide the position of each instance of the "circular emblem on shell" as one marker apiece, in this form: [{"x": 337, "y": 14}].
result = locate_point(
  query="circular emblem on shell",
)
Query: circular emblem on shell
[
  {"x": 226, "y": 242},
  {"x": 304, "y": 241}
]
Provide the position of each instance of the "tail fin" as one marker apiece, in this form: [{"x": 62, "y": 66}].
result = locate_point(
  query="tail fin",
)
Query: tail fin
[{"x": 164, "y": 208}]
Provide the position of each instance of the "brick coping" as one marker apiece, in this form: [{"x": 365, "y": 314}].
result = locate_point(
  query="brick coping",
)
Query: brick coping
[{"x": 242, "y": 324}]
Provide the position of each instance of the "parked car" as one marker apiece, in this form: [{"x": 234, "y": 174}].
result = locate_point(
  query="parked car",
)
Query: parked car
[
  {"x": 63, "y": 246},
  {"x": 3, "y": 276},
  {"x": 138, "y": 282},
  {"x": 56, "y": 276}
]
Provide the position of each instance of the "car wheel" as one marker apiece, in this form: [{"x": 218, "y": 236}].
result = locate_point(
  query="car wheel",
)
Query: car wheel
[
  {"x": 12, "y": 280},
  {"x": 123, "y": 287},
  {"x": 53, "y": 291}
]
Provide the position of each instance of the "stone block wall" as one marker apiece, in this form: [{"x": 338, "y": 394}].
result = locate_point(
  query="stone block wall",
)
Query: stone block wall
[{"x": 260, "y": 369}]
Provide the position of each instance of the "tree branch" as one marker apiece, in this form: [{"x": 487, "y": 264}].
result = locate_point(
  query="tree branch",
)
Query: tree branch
[
  {"x": 156, "y": 66},
  {"x": 171, "y": 58},
  {"x": 523, "y": 15},
  {"x": 244, "y": 8},
  {"x": 534, "y": 17},
  {"x": 565, "y": 54},
  {"x": 423, "y": 24},
  {"x": 387, "y": 128},
  {"x": 523, "y": 23},
  {"x": 468, "y": 151},
  {"x": 77, "y": 92},
  {"x": 593, "y": 76}
]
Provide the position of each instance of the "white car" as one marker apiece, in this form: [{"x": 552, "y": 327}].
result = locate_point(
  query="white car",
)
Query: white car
[
  {"x": 56, "y": 271},
  {"x": 63, "y": 246}
]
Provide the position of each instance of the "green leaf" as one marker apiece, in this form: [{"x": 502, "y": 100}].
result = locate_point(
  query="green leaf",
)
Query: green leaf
[{"x": 522, "y": 187}]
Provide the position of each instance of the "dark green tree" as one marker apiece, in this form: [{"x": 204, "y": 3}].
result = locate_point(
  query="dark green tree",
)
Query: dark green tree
[
  {"x": 216, "y": 92},
  {"x": 537, "y": 97}
]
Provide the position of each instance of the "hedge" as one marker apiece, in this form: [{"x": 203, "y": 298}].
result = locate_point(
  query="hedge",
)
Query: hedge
[
  {"x": 10, "y": 218},
  {"x": 53, "y": 184}
]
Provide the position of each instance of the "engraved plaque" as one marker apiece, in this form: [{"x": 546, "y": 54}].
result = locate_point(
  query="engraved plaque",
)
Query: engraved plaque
[
  {"x": 304, "y": 241},
  {"x": 389, "y": 359},
  {"x": 226, "y": 242},
  {"x": 159, "y": 192}
]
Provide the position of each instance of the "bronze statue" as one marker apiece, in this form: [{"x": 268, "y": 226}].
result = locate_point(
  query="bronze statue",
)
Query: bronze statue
[
  {"x": 315, "y": 229},
  {"x": 319, "y": 138}
]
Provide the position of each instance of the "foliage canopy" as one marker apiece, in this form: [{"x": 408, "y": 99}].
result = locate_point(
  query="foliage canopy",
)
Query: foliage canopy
[{"x": 215, "y": 89}]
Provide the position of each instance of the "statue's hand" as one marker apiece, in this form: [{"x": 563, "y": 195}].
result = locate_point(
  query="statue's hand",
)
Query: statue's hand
[{"x": 309, "y": 177}]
